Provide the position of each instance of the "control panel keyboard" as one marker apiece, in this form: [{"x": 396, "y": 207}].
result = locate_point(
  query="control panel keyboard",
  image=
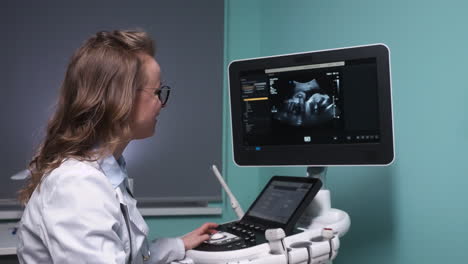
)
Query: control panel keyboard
[{"x": 233, "y": 236}]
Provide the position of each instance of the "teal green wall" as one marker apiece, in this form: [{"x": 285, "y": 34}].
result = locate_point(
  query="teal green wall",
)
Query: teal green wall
[{"x": 416, "y": 210}]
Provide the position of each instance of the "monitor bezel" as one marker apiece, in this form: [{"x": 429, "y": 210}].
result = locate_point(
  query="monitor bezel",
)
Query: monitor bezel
[{"x": 381, "y": 153}]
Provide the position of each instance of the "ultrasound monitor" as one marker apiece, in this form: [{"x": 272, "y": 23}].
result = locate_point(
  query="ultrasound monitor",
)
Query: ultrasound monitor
[{"x": 320, "y": 108}]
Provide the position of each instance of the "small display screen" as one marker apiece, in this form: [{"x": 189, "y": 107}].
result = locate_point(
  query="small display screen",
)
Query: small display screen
[{"x": 280, "y": 200}]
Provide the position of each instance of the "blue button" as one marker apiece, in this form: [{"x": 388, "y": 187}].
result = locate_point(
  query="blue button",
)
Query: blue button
[{"x": 258, "y": 148}]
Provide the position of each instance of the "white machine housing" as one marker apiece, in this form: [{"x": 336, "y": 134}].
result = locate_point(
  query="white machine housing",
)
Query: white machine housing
[{"x": 316, "y": 244}]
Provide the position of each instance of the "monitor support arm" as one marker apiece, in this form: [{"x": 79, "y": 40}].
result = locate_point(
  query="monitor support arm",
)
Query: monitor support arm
[
  {"x": 319, "y": 173},
  {"x": 322, "y": 201},
  {"x": 320, "y": 214}
]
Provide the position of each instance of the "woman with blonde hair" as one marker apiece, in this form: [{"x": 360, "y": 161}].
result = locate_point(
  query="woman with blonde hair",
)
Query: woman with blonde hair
[{"x": 79, "y": 208}]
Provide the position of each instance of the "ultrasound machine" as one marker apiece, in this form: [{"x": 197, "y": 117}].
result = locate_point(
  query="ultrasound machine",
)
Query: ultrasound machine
[{"x": 313, "y": 109}]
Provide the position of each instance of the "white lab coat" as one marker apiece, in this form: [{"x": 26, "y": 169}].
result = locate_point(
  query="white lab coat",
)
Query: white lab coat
[{"x": 79, "y": 217}]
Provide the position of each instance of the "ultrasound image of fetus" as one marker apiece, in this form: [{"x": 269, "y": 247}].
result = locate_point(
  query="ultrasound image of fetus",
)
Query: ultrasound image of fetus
[
  {"x": 317, "y": 103},
  {"x": 309, "y": 106}
]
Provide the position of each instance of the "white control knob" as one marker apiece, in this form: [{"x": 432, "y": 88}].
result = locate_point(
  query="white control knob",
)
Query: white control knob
[
  {"x": 217, "y": 236},
  {"x": 275, "y": 240}
]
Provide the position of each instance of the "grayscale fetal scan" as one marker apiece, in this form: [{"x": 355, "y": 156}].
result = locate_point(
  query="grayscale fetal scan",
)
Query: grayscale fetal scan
[{"x": 308, "y": 105}]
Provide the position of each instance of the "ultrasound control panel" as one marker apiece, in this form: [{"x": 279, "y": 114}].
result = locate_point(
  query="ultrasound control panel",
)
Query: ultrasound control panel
[
  {"x": 279, "y": 205},
  {"x": 235, "y": 235}
]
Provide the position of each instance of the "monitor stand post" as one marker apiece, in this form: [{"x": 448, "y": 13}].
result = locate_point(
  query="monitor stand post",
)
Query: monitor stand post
[
  {"x": 319, "y": 173},
  {"x": 320, "y": 214},
  {"x": 322, "y": 202}
]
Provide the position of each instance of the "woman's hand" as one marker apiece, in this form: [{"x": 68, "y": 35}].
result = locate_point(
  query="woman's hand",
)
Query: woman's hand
[{"x": 197, "y": 236}]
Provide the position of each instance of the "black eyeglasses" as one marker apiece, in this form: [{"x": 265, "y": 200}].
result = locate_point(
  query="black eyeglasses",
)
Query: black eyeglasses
[{"x": 162, "y": 93}]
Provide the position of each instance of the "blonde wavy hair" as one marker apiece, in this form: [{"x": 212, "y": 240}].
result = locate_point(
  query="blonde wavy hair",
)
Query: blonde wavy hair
[{"x": 95, "y": 102}]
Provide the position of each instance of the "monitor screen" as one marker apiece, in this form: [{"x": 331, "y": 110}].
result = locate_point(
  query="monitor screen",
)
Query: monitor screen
[{"x": 328, "y": 107}]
